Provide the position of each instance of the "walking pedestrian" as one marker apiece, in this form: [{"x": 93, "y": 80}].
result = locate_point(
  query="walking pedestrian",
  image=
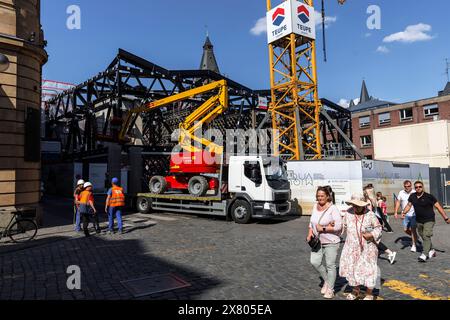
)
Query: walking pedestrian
[
  {"x": 359, "y": 256},
  {"x": 87, "y": 208},
  {"x": 409, "y": 217},
  {"x": 424, "y": 205},
  {"x": 115, "y": 202},
  {"x": 76, "y": 198},
  {"x": 368, "y": 192},
  {"x": 383, "y": 206},
  {"x": 370, "y": 195},
  {"x": 325, "y": 226}
]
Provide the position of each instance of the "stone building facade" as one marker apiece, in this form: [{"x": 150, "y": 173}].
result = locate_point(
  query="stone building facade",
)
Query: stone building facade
[{"x": 23, "y": 55}]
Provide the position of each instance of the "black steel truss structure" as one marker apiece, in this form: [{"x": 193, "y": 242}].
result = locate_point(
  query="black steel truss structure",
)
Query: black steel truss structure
[
  {"x": 334, "y": 144},
  {"x": 74, "y": 118},
  {"x": 128, "y": 81}
]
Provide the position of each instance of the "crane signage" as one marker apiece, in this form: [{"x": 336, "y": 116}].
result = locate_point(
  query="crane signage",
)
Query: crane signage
[{"x": 290, "y": 16}]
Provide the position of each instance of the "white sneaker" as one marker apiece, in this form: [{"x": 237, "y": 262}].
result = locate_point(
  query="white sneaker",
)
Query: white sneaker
[
  {"x": 324, "y": 288},
  {"x": 329, "y": 294},
  {"x": 432, "y": 253},
  {"x": 392, "y": 256},
  {"x": 423, "y": 258},
  {"x": 413, "y": 249}
]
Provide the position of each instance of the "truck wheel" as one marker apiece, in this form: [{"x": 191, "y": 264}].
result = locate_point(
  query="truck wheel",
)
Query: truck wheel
[
  {"x": 157, "y": 185},
  {"x": 144, "y": 205},
  {"x": 241, "y": 212},
  {"x": 198, "y": 186}
]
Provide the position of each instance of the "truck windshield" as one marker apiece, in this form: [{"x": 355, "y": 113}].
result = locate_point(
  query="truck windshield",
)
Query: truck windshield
[{"x": 275, "y": 169}]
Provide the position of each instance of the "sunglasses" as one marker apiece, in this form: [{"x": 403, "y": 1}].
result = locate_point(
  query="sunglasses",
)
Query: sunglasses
[
  {"x": 408, "y": 186},
  {"x": 418, "y": 187}
]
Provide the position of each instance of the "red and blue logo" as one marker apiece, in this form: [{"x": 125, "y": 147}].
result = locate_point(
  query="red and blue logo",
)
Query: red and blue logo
[
  {"x": 278, "y": 17},
  {"x": 303, "y": 14}
]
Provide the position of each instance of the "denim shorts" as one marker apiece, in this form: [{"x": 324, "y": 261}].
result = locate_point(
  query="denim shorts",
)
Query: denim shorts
[{"x": 409, "y": 222}]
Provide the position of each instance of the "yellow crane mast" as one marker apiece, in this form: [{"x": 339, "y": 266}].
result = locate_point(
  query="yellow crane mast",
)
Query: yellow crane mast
[{"x": 295, "y": 106}]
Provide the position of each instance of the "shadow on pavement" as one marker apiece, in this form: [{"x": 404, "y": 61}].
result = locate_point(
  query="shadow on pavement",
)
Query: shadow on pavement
[
  {"x": 59, "y": 211},
  {"x": 276, "y": 220},
  {"x": 105, "y": 262}
]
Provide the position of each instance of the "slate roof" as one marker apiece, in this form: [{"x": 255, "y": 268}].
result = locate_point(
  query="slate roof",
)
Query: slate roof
[
  {"x": 446, "y": 90},
  {"x": 367, "y": 102}
]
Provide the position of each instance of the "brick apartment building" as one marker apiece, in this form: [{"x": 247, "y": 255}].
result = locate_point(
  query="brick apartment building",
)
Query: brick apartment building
[{"x": 370, "y": 114}]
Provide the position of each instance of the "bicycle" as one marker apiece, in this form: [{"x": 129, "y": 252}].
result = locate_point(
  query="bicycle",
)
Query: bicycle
[{"x": 20, "y": 229}]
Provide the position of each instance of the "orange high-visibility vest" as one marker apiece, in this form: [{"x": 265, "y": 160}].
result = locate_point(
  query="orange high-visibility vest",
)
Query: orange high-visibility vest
[
  {"x": 85, "y": 196},
  {"x": 117, "y": 197}
]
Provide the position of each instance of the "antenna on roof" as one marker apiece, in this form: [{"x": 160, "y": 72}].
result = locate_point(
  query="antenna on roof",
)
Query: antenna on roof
[{"x": 447, "y": 69}]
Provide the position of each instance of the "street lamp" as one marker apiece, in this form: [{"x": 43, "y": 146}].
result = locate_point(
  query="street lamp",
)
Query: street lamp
[{"x": 4, "y": 62}]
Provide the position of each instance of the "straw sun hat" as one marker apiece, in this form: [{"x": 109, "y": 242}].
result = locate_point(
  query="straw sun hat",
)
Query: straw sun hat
[{"x": 358, "y": 200}]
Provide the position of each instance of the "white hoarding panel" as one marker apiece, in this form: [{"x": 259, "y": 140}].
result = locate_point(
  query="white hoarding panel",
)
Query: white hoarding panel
[
  {"x": 345, "y": 177},
  {"x": 303, "y": 21},
  {"x": 97, "y": 174},
  {"x": 387, "y": 177},
  {"x": 279, "y": 22},
  {"x": 124, "y": 180}
]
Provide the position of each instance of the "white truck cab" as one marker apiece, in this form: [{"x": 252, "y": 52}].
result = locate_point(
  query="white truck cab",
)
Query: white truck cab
[{"x": 262, "y": 182}]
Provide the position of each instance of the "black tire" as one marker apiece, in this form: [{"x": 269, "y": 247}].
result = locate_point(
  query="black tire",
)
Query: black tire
[
  {"x": 198, "y": 186},
  {"x": 157, "y": 185},
  {"x": 241, "y": 212},
  {"x": 144, "y": 205},
  {"x": 23, "y": 230}
]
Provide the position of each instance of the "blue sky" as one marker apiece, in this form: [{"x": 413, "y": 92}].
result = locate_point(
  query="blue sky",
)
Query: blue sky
[{"x": 410, "y": 65}]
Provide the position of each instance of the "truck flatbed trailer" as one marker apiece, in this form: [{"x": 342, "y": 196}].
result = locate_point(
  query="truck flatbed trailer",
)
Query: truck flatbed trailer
[
  {"x": 179, "y": 196},
  {"x": 182, "y": 203}
]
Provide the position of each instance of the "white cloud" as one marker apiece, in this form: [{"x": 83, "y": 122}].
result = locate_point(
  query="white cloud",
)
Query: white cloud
[
  {"x": 328, "y": 20},
  {"x": 260, "y": 27},
  {"x": 383, "y": 49},
  {"x": 367, "y": 35},
  {"x": 411, "y": 34},
  {"x": 346, "y": 103}
]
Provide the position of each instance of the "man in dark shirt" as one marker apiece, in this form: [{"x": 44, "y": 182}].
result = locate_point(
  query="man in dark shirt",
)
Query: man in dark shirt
[{"x": 424, "y": 204}]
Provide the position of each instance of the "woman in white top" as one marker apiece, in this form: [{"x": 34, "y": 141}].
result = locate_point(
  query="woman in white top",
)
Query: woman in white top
[{"x": 326, "y": 223}]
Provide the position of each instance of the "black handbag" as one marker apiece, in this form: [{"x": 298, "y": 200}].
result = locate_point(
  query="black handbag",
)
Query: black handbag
[{"x": 315, "y": 244}]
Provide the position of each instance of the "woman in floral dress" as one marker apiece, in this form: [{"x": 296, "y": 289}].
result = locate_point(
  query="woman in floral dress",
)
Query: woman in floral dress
[{"x": 359, "y": 256}]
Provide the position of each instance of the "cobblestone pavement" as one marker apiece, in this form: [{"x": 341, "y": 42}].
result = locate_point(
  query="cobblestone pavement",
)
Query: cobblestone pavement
[{"x": 268, "y": 259}]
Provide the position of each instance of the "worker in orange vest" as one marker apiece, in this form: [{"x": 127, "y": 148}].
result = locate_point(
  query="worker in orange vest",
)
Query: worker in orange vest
[
  {"x": 76, "y": 199},
  {"x": 86, "y": 204},
  {"x": 115, "y": 202}
]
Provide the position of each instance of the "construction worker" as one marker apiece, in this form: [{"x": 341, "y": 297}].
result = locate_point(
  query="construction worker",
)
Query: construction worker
[
  {"x": 86, "y": 204},
  {"x": 76, "y": 197},
  {"x": 114, "y": 205}
]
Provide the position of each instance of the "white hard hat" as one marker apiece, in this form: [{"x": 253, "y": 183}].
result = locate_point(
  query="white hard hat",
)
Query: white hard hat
[
  {"x": 87, "y": 184},
  {"x": 80, "y": 182}
]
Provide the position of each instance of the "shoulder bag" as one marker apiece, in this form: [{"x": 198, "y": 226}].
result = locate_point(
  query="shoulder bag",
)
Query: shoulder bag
[{"x": 315, "y": 243}]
